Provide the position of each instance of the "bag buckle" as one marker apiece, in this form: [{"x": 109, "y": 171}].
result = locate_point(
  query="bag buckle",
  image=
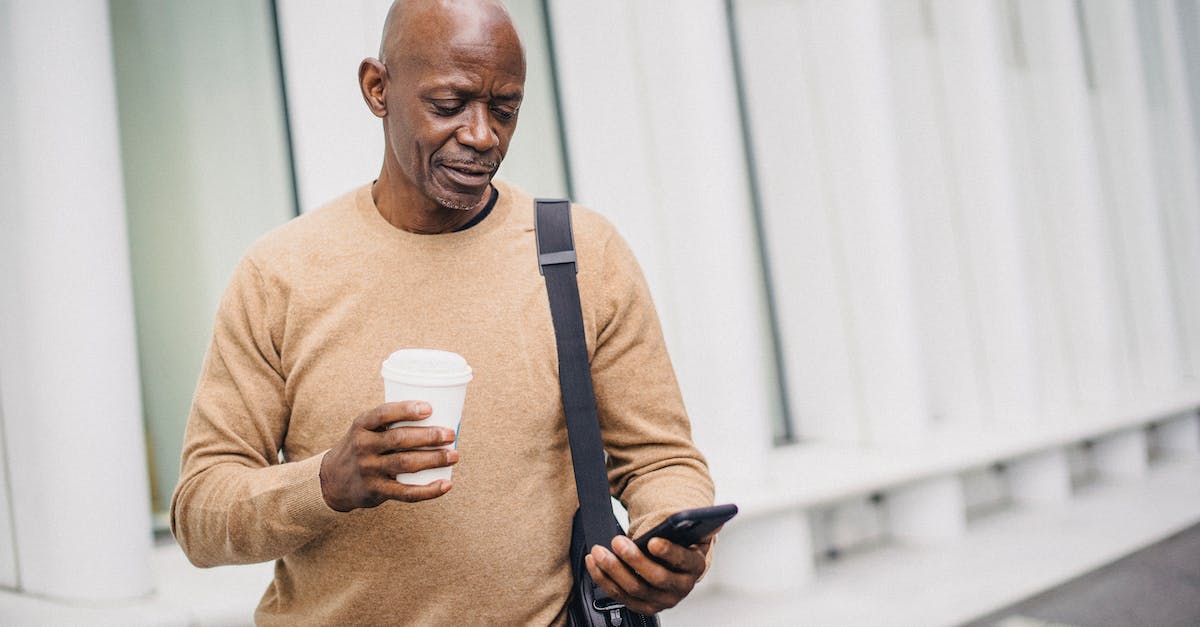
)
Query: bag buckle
[{"x": 611, "y": 609}]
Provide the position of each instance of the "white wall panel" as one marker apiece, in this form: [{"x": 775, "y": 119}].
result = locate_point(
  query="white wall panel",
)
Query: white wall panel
[
  {"x": 822, "y": 117},
  {"x": 1120, "y": 115},
  {"x": 8, "y": 547},
  {"x": 8, "y": 285},
  {"x": 652, "y": 122},
  {"x": 980, "y": 135},
  {"x": 1175, "y": 136},
  {"x": 776, "y": 41},
  {"x": 1184, "y": 20},
  {"x": 947, "y": 319},
  {"x": 1076, "y": 321},
  {"x": 337, "y": 143},
  {"x": 859, "y": 117}
]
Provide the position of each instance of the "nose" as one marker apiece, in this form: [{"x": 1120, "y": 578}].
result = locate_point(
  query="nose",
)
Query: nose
[{"x": 476, "y": 131}]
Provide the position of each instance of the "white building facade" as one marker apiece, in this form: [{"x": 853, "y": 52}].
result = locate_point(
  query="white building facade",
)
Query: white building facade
[{"x": 929, "y": 271}]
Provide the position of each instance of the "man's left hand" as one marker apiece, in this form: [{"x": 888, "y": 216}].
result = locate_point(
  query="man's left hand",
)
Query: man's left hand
[{"x": 639, "y": 582}]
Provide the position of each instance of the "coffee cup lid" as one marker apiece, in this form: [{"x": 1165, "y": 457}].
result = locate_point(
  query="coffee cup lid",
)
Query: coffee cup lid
[{"x": 426, "y": 366}]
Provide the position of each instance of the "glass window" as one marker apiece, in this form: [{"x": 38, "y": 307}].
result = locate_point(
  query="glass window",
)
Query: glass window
[
  {"x": 207, "y": 171},
  {"x": 536, "y": 157}
]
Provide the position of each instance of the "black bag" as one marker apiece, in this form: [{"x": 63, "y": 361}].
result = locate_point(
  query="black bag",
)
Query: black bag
[{"x": 594, "y": 522}]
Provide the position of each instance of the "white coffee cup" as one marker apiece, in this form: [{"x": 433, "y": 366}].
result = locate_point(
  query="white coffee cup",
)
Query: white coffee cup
[{"x": 437, "y": 377}]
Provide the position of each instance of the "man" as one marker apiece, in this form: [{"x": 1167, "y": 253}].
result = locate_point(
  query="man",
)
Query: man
[{"x": 434, "y": 254}]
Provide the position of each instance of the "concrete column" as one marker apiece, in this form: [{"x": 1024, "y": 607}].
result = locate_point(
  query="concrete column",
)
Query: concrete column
[
  {"x": 858, "y": 137},
  {"x": 765, "y": 555},
  {"x": 71, "y": 401},
  {"x": 946, "y": 314},
  {"x": 1077, "y": 325},
  {"x": 777, "y": 43},
  {"x": 931, "y": 511},
  {"x": 1043, "y": 477},
  {"x": 673, "y": 180},
  {"x": 823, "y": 122},
  {"x": 8, "y": 548},
  {"x": 1122, "y": 113},
  {"x": 323, "y": 42},
  {"x": 1163, "y": 28},
  {"x": 1181, "y": 434},
  {"x": 980, "y": 136},
  {"x": 1122, "y": 455}
]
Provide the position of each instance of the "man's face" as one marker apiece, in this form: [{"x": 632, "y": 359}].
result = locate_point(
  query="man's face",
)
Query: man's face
[{"x": 452, "y": 98}]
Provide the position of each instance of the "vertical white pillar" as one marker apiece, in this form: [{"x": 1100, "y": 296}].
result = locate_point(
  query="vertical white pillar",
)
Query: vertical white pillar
[
  {"x": 323, "y": 43},
  {"x": 1181, "y": 433},
  {"x": 1121, "y": 114},
  {"x": 765, "y": 555},
  {"x": 1121, "y": 455},
  {"x": 8, "y": 164},
  {"x": 8, "y": 548},
  {"x": 1175, "y": 131},
  {"x": 776, "y": 48},
  {"x": 1077, "y": 324},
  {"x": 858, "y": 118},
  {"x": 672, "y": 178},
  {"x": 947, "y": 319},
  {"x": 72, "y": 414},
  {"x": 931, "y": 511},
  {"x": 980, "y": 142},
  {"x": 1043, "y": 477}
]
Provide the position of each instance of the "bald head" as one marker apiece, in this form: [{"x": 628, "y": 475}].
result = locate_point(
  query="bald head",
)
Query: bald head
[{"x": 412, "y": 25}]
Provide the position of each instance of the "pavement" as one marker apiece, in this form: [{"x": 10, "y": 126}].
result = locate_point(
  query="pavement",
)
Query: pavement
[{"x": 1158, "y": 586}]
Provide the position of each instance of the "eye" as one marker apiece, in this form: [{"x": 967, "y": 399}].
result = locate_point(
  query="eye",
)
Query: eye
[
  {"x": 504, "y": 113},
  {"x": 447, "y": 108}
]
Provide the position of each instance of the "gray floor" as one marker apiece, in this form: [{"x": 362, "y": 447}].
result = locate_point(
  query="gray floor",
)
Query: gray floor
[{"x": 1158, "y": 586}]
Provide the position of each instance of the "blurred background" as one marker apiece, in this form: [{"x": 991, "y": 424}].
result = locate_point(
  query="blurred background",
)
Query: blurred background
[{"x": 929, "y": 272}]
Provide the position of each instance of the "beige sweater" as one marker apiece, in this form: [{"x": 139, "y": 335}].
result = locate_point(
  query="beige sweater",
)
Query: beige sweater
[{"x": 312, "y": 311}]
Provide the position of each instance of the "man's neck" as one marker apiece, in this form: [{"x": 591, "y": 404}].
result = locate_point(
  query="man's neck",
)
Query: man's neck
[{"x": 420, "y": 215}]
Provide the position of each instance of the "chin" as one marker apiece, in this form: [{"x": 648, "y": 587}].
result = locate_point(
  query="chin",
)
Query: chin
[{"x": 459, "y": 201}]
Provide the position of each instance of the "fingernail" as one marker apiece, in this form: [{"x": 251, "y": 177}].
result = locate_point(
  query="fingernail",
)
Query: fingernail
[
  {"x": 447, "y": 436},
  {"x": 446, "y": 485},
  {"x": 452, "y": 456},
  {"x": 424, "y": 408}
]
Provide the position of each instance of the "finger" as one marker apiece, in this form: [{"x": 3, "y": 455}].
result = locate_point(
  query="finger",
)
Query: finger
[
  {"x": 412, "y": 461},
  {"x": 680, "y": 559},
  {"x": 655, "y": 574},
  {"x": 628, "y": 580},
  {"x": 404, "y": 438},
  {"x": 392, "y": 490},
  {"x": 387, "y": 413},
  {"x": 611, "y": 587}
]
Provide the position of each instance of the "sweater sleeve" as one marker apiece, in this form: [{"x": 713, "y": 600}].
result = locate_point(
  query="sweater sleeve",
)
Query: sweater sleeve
[
  {"x": 654, "y": 468},
  {"x": 235, "y": 502}
]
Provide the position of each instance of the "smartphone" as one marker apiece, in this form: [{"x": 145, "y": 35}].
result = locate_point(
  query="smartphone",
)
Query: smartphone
[{"x": 688, "y": 526}]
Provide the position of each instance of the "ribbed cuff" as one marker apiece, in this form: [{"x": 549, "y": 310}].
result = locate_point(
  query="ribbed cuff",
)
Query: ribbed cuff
[{"x": 303, "y": 502}]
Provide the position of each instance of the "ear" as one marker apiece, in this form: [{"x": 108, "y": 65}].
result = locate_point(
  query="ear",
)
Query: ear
[{"x": 372, "y": 81}]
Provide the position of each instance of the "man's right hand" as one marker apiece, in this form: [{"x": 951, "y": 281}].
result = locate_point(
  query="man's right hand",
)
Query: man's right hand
[{"x": 360, "y": 471}]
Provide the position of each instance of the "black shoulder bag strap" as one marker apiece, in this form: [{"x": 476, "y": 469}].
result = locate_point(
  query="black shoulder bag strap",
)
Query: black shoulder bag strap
[
  {"x": 556, "y": 256},
  {"x": 557, "y": 263}
]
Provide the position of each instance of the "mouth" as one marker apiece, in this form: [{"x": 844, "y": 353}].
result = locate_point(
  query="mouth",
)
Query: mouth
[{"x": 468, "y": 174}]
